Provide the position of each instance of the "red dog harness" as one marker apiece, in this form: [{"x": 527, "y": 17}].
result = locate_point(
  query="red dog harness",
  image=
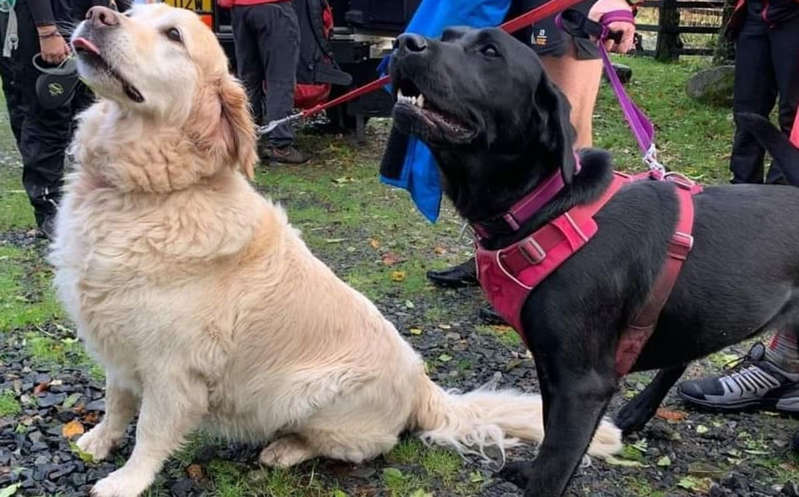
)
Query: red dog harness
[{"x": 508, "y": 275}]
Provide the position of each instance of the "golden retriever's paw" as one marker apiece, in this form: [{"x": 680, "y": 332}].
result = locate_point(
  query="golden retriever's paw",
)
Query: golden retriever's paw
[
  {"x": 285, "y": 452},
  {"x": 120, "y": 483},
  {"x": 96, "y": 443}
]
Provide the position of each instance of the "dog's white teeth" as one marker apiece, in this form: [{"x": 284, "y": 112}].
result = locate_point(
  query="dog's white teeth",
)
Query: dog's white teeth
[
  {"x": 420, "y": 101},
  {"x": 413, "y": 100}
]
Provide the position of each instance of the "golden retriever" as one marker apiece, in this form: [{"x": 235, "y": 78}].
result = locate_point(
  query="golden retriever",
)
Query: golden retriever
[{"x": 202, "y": 302}]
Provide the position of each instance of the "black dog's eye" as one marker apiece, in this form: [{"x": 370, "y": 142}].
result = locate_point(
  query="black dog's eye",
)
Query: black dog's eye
[
  {"x": 489, "y": 51},
  {"x": 174, "y": 35}
]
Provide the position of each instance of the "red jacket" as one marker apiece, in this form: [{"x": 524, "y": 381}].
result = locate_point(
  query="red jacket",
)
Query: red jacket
[
  {"x": 226, "y": 4},
  {"x": 774, "y": 12}
]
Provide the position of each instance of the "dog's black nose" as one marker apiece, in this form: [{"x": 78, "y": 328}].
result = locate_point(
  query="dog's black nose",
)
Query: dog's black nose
[{"x": 412, "y": 42}]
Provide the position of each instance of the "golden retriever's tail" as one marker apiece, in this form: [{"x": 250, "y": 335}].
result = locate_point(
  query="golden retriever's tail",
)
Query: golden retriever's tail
[{"x": 487, "y": 417}]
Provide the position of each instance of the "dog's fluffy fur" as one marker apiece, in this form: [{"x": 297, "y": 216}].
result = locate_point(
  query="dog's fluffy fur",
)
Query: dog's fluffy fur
[{"x": 203, "y": 303}]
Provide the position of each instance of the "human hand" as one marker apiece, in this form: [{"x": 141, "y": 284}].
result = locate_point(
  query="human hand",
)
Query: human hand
[
  {"x": 627, "y": 29},
  {"x": 53, "y": 46}
]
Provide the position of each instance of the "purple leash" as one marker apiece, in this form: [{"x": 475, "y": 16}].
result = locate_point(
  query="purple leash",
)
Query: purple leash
[{"x": 641, "y": 126}]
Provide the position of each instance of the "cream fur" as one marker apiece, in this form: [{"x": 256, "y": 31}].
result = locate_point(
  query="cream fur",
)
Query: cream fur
[{"x": 208, "y": 310}]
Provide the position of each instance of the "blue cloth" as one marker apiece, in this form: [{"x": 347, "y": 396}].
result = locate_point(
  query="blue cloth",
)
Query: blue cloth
[{"x": 419, "y": 172}]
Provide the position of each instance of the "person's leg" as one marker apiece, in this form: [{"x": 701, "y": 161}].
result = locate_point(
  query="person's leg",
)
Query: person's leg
[
  {"x": 579, "y": 80},
  {"x": 784, "y": 44},
  {"x": 248, "y": 60},
  {"x": 279, "y": 36},
  {"x": 755, "y": 92},
  {"x": 44, "y": 133},
  {"x": 16, "y": 109}
]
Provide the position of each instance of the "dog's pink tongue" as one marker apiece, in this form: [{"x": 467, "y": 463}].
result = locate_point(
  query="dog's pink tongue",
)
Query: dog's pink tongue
[{"x": 85, "y": 44}]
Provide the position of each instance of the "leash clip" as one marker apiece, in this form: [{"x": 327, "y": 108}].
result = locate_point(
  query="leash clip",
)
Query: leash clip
[{"x": 651, "y": 160}]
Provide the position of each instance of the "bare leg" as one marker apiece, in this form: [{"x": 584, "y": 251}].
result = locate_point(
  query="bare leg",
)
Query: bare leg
[{"x": 579, "y": 80}]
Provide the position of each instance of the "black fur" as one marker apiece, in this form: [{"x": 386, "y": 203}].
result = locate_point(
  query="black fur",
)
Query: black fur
[{"x": 738, "y": 281}]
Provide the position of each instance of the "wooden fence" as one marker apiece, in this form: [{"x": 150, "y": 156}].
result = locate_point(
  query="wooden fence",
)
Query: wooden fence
[{"x": 681, "y": 17}]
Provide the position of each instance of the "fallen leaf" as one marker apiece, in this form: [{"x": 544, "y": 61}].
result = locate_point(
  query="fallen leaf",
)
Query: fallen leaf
[
  {"x": 84, "y": 456},
  {"x": 421, "y": 493},
  {"x": 344, "y": 179},
  {"x": 476, "y": 477},
  {"x": 390, "y": 258},
  {"x": 416, "y": 331},
  {"x": 195, "y": 472},
  {"x": 41, "y": 388},
  {"x": 439, "y": 250},
  {"x": 340, "y": 493},
  {"x": 670, "y": 415},
  {"x": 398, "y": 276},
  {"x": 445, "y": 358},
  {"x": 72, "y": 429},
  {"x": 701, "y": 485},
  {"x": 409, "y": 304},
  {"x": 445, "y": 327},
  {"x": 702, "y": 429},
  {"x": 631, "y": 453},
  {"x": 664, "y": 462},
  {"x": 705, "y": 470},
  {"x": 335, "y": 240},
  {"x": 71, "y": 400},
  {"x": 374, "y": 243},
  {"x": 10, "y": 490},
  {"x": 624, "y": 462}
]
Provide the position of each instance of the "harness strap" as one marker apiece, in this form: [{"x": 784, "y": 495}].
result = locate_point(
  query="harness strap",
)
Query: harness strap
[{"x": 635, "y": 336}]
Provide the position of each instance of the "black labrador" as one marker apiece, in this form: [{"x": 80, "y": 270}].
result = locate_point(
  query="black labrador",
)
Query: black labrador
[{"x": 497, "y": 125}]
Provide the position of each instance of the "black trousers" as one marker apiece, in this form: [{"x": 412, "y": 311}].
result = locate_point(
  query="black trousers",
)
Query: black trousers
[
  {"x": 766, "y": 69},
  {"x": 42, "y": 135},
  {"x": 267, "y": 41}
]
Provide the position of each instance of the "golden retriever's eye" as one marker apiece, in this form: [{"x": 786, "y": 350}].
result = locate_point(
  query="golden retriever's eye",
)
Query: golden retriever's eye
[
  {"x": 489, "y": 51},
  {"x": 174, "y": 35}
]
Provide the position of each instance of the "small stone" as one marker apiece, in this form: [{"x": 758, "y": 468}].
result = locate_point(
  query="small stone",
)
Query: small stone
[
  {"x": 78, "y": 479},
  {"x": 182, "y": 487},
  {"x": 51, "y": 399},
  {"x": 96, "y": 405},
  {"x": 35, "y": 436},
  {"x": 790, "y": 489},
  {"x": 39, "y": 446},
  {"x": 712, "y": 86}
]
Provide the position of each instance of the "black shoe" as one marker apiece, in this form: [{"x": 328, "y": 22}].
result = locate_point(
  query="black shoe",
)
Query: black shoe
[
  {"x": 459, "y": 276},
  {"x": 752, "y": 381},
  {"x": 47, "y": 227},
  {"x": 490, "y": 316}
]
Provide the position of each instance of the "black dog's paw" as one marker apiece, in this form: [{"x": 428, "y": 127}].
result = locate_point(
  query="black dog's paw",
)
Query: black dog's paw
[
  {"x": 632, "y": 417},
  {"x": 516, "y": 473}
]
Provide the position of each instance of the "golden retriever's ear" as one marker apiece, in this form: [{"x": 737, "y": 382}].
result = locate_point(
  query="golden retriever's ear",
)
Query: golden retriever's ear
[
  {"x": 238, "y": 128},
  {"x": 221, "y": 125}
]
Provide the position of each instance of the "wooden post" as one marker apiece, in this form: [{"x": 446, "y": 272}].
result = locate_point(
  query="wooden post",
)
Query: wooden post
[
  {"x": 725, "y": 49},
  {"x": 669, "y": 43}
]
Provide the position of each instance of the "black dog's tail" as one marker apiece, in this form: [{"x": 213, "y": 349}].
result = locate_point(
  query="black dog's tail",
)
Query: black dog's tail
[{"x": 775, "y": 142}]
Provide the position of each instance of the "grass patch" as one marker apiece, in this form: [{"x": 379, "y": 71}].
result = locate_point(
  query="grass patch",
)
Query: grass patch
[
  {"x": 505, "y": 335},
  {"x": 9, "y": 405},
  {"x": 26, "y": 296}
]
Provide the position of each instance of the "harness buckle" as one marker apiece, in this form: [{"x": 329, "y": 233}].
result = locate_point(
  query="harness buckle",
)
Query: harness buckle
[
  {"x": 680, "y": 245},
  {"x": 532, "y": 251},
  {"x": 651, "y": 160},
  {"x": 508, "y": 218},
  {"x": 680, "y": 180}
]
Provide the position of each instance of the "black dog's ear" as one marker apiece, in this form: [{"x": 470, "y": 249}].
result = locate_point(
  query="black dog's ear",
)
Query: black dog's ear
[{"x": 557, "y": 132}]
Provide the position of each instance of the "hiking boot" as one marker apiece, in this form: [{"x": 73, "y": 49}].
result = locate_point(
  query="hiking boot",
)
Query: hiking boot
[
  {"x": 490, "y": 316},
  {"x": 287, "y": 154},
  {"x": 751, "y": 381},
  {"x": 47, "y": 228},
  {"x": 459, "y": 276}
]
